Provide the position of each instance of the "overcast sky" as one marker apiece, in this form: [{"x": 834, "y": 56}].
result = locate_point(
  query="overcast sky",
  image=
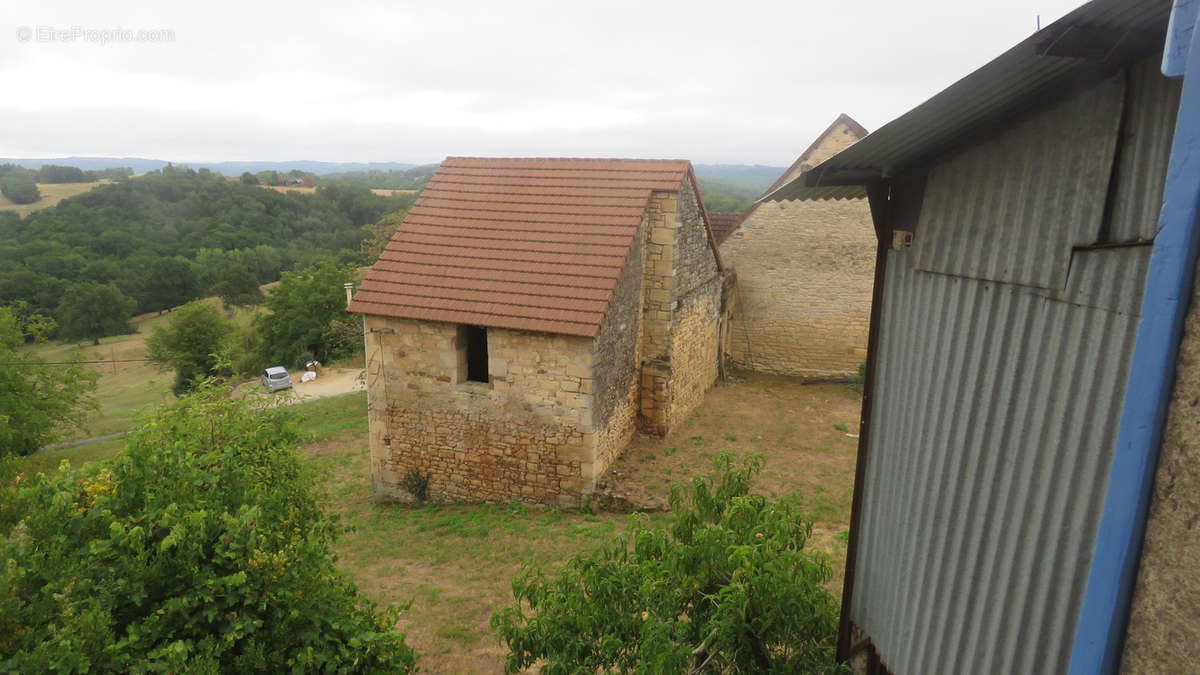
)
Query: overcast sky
[{"x": 732, "y": 82}]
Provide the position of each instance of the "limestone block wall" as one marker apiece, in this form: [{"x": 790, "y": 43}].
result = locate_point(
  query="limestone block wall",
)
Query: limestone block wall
[
  {"x": 839, "y": 137},
  {"x": 661, "y": 223},
  {"x": 526, "y": 435},
  {"x": 616, "y": 358},
  {"x": 804, "y": 277},
  {"x": 1164, "y": 626},
  {"x": 694, "y": 352},
  {"x": 683, "y": 287}
]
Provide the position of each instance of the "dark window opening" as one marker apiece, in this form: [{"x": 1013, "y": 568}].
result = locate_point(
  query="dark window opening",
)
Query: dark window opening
[{"x": 473, "y": 346}]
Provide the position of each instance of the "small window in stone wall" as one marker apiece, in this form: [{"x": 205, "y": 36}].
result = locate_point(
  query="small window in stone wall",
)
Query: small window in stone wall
[{"x": 472, "y": 354}]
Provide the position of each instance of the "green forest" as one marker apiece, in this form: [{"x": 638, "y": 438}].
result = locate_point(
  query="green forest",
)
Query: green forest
[{"x": 174, "y": 235}]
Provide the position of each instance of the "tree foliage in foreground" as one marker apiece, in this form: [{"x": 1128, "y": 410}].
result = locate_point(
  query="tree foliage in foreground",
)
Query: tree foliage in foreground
[
  {"x": 37, "y": 400},
  {"x": 727, "y": 588},
  {"x": 201, "y": 548}
]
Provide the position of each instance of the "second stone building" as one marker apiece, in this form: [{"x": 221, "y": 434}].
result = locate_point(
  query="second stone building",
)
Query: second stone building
[{"x": 528, "y": 316}]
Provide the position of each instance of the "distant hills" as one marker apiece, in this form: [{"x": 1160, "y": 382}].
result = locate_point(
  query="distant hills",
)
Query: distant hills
[
  {"x": 142, "y": 165},
  {"x": 750, "y": 177},
  {"x": 743, "y": 177}
]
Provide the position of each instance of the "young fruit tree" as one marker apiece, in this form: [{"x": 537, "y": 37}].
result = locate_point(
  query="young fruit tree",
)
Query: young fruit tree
[
  {"x": 727, "y": 588},
  {"x": 202, "y": 548}
]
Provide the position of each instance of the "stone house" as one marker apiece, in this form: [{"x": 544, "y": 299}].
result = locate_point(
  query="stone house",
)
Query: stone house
[
  {"x": 528, "y": 316},
  {"x": 804, "y": 273}
]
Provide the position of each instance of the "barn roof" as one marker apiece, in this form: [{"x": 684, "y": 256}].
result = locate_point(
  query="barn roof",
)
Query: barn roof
[
  {"x": 724, "y": 223},
  {"x": 526, "y": 244}
]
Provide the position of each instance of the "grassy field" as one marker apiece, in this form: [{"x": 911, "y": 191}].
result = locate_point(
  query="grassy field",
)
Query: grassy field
[
  {"x": 127, "y": 386},
  {"x": 454, "y": 564},
  {"x": 52, "y": 193}
]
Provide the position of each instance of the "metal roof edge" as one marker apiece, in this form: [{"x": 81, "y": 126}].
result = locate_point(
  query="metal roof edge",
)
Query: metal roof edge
[
  {"x": 1104, "y": 613},
  {"x": 1005, "y": 84}
]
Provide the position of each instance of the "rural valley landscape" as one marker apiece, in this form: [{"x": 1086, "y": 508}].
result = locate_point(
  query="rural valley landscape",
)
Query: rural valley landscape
[
  {"x": 660, "y": 338},
  {"x": 190, "y": 283}
]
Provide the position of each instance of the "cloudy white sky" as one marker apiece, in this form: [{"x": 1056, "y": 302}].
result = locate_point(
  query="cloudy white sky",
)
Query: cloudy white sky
[{"x": 737, "y": 81}]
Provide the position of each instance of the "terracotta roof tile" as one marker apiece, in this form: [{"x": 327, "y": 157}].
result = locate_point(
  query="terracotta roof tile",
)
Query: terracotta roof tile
[
  {"x": 527, "y": 244},
  {"x": 724, "y": 223}
]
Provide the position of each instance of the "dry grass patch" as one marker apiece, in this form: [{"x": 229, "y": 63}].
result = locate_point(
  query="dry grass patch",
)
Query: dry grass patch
[
  {"x": 806, "y": 432},
  {"x": 455, "y": 563}
]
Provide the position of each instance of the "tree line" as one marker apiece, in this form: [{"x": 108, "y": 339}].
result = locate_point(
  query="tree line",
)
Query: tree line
[
  {"x": 20, "y": 185},
  {"x": 156, "y": 241}
]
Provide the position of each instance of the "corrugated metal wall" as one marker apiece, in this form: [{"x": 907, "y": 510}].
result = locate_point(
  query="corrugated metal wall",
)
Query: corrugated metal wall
[
  {"x": 995, "y": 416},
  {"x": 1149, "y": 127},
  {"x": 1011, "y": 208}
]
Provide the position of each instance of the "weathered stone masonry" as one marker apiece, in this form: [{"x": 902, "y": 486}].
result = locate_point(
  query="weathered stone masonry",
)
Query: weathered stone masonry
[
  {"x": 528, "y": 434},
  {"x": 557, "y": 409},
  {"x": 682, "y": 317},
  {"x": 804, "y": 276}
]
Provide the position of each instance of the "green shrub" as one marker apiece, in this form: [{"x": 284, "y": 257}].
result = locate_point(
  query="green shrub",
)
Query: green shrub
[
  {"x": 307, "y": 317},
  {"x": 201, "y": 548},
  {"x": 191, "y": 342},
  {"x": 20, "y": 188},
  {"x": 39, "y": 401},
  {"x": 727, "y": 588}
]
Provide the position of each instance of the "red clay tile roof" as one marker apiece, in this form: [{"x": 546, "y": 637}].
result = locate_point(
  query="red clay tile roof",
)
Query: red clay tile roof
[
  {"x": 724, "y": 223},
  {"x": 526, "y": 244}
]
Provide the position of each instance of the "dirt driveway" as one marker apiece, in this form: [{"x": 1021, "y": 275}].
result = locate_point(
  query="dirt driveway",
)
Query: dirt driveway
[{"x": 331, "y": 382}]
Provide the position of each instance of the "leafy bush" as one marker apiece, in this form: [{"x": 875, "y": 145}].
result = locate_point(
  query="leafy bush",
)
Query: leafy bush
[
  {"x": 727, "y": 588},
  {"x": 91, "y": 310},
  {"x": 37, "y": 401},
  {"x": 201, "y": 548},
  {"x": 20, "y": 188},
  {"x": 190, "y": 342},
  {"x": 307, "y": 317}
]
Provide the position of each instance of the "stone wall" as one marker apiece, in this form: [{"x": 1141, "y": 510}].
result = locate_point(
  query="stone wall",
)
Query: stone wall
[
  {"x": 526, "y": 435},
  {"x": 557, "y": 410},
  {"x": 683, "y": 285},
  {"x": 1164, "y": 626},
  {"x": 616, "y": 356},
  {"x": 694, "y": 352},
  {"x": 804, "y": 278},
  {"x": 696, "y": 320}
]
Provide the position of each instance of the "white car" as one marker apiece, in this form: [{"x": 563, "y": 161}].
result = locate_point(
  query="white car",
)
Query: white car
[{"x": 276, "y": 378}]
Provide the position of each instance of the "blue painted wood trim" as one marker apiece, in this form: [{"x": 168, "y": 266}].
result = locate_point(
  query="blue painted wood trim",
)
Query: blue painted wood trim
[{"x": 1104, "y": 616}]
